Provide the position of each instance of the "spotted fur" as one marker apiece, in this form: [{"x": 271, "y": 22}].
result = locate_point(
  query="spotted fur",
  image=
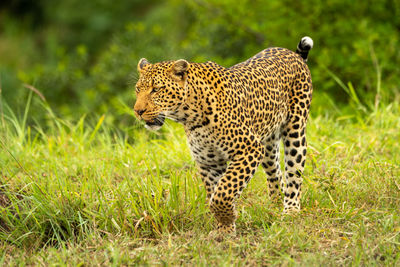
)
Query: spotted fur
[{"x": 234, "y": 119}]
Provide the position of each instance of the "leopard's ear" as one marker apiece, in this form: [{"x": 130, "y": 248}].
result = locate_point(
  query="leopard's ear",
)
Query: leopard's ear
[
  {"x": 142, "y": 64},
  {"x": 179, "y": 70}
]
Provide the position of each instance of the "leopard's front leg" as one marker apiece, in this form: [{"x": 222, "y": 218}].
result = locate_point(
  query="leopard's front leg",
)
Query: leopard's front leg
[
  {"x": 210, "y": 174},
  {"x": 229, "y": 187}
]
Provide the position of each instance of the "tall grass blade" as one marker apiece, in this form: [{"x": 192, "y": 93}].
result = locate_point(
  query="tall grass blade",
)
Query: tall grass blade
[{"x": 96, "y": 128}]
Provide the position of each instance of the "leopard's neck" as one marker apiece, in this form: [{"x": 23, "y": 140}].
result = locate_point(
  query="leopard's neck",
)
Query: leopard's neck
[{"x": 204, "y": 95}]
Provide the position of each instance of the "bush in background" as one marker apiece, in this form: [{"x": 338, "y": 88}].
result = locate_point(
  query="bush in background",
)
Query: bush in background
[{"x": 88, "y": 53}]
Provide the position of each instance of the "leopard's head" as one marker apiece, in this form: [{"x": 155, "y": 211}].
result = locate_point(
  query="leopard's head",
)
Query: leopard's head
[{"x": 160, "y": 90}]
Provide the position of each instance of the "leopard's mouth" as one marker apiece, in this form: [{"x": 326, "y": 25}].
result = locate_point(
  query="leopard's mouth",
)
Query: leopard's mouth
[{"x": 156, "y": 123}]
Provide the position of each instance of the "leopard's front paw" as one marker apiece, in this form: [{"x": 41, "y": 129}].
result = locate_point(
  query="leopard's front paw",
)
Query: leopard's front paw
[
  {"x": 291, "y": 210},
  {"x": 223, "y": 231},
  {"x": 227, "y": 228}
]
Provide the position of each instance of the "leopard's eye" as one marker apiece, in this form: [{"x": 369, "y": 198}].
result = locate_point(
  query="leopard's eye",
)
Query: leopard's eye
[{"x": 156, "y": 89}]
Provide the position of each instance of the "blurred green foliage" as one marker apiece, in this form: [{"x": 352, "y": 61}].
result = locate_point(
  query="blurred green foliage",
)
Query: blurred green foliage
[{"x": 82, "y": 55}]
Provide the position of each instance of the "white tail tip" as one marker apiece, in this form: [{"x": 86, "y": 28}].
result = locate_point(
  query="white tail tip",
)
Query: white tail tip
[{"x": 307, "y": 42}]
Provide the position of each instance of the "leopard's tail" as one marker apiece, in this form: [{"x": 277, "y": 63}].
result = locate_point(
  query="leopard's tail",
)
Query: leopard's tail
[{"x": 304, "y": 46}]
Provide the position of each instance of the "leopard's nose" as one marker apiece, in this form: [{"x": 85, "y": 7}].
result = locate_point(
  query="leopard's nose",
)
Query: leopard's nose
[{"x": 140, "y": 111}]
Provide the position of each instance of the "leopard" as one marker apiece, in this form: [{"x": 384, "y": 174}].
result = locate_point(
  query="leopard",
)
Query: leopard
[{"x": 235, "y": 120}]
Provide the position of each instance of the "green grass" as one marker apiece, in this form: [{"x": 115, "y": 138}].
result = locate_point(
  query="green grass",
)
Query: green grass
[{"x": 84, "y": 193}]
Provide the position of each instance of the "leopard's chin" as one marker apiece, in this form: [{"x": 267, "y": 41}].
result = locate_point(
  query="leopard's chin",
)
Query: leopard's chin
[
  {"x": 155, "y": 124},
  {"x": 152, "y": 127}
]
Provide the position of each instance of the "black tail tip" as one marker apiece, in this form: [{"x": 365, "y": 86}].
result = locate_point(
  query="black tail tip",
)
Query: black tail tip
[{"x": 305, "y": 45}]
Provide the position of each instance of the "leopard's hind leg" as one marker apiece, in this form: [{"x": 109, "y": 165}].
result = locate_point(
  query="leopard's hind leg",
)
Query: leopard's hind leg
[
  {"x": 271, "y": 166},
  {"x": 295, "y": 143}
]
